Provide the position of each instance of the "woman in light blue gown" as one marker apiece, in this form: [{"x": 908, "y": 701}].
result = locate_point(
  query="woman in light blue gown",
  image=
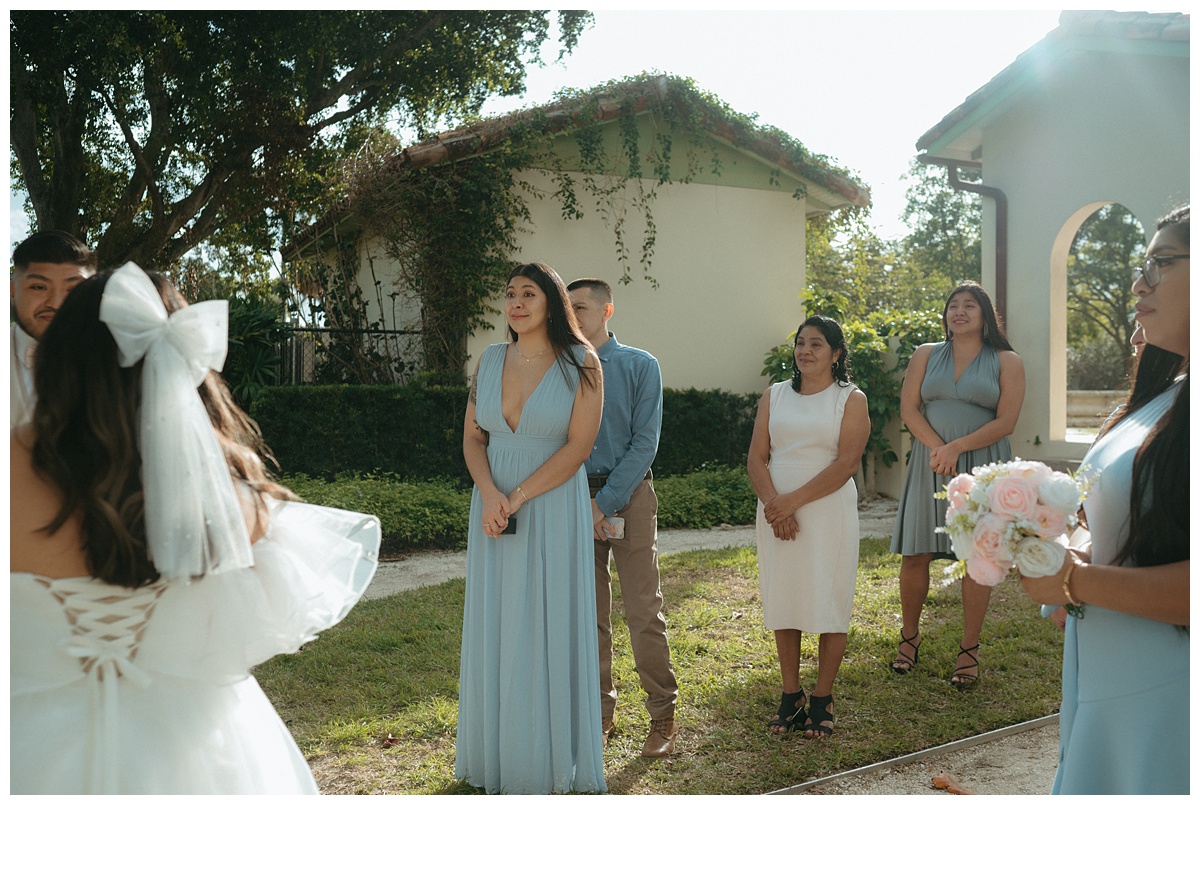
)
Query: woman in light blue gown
[
  {"x": 529, "y": 680},
  {"x": 1124, "y": 720}
]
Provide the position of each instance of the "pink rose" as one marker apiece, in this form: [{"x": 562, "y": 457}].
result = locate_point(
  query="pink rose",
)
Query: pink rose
[
  {"x": 987, "y": 572},
  {"x": 959, "y": 489},
  {"x": 1015, "y": 496},
  {"x": 1049, "y": 521},
  {"x": 989, "y": 555}
]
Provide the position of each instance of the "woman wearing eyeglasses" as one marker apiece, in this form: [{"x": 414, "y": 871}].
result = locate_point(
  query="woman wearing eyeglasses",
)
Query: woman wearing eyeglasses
[{"x": 1124, "y": 725}]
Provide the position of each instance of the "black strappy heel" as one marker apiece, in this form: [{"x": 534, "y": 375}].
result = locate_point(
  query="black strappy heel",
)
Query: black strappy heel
[
  {"x": 963, "y": 681},
  {"x": 903, "y": 663}
]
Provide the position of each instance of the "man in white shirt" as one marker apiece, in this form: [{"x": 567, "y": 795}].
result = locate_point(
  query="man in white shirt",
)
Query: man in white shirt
[{"x": 46, "y": 266}]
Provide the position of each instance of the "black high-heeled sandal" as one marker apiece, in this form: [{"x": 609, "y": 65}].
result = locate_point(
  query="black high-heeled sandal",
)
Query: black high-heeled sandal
[
  {"x": 818, "y": 714},
  {"x": 902, "y": 662},
  {"x": 789, "y": 703},
  {"x": 960, "y": 680}
]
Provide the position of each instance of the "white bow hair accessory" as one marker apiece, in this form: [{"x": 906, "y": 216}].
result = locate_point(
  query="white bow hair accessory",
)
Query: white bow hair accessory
[{"x": 194, "y": 525}]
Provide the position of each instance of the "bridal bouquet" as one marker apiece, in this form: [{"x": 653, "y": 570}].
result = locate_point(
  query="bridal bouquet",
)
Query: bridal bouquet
[{"x": 1015, "y": 513}]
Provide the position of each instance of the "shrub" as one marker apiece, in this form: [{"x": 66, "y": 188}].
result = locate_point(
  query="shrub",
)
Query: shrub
[
  {"x": 1098, "y": 365},
  {"x": 414, "y": 432},
  {"x": 414, "y": 515},
  {"x": 435, "y": 513},
  {"x": 713, "y": 495},
  {"x": 704, "y": 427},
  {"x": 255, "y": 332}
]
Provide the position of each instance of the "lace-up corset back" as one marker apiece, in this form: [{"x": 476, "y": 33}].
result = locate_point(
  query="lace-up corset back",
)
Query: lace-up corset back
[
  {"x": 106, "y": 625},
  {"x": 150, "y": 690}
]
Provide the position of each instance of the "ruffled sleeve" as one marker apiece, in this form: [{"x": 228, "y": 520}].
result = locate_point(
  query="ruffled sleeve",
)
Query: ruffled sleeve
[{"x": 309, "y": 570}]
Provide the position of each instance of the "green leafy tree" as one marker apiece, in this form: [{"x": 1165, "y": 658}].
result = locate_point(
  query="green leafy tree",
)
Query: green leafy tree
[
  {"x": 946, "y": 224},
  {"x": 149, "y": 133},
  {"x": 1100, "y": 299},
  {"x": 853, "y": 271},
  {"x": 256, "y": 321}
]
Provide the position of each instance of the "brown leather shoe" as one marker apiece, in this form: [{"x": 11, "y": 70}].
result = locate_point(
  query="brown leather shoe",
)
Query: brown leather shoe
[
  {"x": 606, "y": 729},
  {"x": 661, "y": 739}
]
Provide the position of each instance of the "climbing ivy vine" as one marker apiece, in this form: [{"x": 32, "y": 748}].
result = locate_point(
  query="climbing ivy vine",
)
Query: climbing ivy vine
[{"x": 451, "y": 227}]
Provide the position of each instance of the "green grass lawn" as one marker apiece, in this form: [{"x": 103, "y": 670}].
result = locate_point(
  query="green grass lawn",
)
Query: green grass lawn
[{"x": 373, "y": 702}]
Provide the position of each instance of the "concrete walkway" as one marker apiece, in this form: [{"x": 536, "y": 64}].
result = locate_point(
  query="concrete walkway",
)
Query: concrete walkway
[{"x": 423, "y": 569}]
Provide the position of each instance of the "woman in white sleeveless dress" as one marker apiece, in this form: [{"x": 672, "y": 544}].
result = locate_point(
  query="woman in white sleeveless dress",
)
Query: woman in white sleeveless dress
[
  {"x": 153, "y": 563},
  {"x": 809, "y": 438}
]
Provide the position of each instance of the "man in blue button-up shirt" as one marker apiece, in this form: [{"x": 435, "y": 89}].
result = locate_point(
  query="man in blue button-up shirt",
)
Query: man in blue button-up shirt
[{"x": 619, "y": 476}]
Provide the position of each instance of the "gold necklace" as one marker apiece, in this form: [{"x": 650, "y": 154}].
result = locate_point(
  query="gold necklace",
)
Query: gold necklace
[{"x": 529, "y": 359}]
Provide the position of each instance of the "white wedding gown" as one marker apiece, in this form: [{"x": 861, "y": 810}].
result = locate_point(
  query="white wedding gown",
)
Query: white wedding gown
[{"x": 149, "y": 691}]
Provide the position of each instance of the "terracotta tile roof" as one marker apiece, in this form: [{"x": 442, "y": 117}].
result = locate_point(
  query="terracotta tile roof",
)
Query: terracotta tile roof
[
  {"x": 771, "y": 146},
  {"x": 641, "y": 94},
  {"x": 1168, "y": 27}
]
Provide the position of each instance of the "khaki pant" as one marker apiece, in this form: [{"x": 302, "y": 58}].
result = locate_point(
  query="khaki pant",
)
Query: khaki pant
[{"x": 636, "y": 559}]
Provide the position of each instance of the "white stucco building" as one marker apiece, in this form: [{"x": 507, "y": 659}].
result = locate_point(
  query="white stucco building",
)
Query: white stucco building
[
  {"x": 1098, "y": 112},
  {"x": 729, "y": 246}
]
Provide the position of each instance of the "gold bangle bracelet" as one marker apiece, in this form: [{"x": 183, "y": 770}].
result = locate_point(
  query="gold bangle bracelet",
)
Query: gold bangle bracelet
[
  {"x": 1066, "y": 585},
  {"x": 523, "y": 495}
]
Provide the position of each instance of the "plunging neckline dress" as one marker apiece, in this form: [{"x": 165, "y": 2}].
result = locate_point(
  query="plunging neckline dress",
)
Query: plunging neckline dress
[{"x": 529, "y": 680}]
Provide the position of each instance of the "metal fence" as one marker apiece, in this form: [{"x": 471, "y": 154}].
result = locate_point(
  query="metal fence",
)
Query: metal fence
[{"x": 354, "y": 356}]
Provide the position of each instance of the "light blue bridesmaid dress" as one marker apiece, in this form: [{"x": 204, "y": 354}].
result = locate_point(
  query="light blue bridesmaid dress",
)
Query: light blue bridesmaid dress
[
  {"x": 529, "y": 679},
  {"x": 1124, "y": 722}
]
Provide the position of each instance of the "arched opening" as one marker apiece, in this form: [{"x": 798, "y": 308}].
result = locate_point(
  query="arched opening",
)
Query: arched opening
[{"x": 1091, "y": 318}]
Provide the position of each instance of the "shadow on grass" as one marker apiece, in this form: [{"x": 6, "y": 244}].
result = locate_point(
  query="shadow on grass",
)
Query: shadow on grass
[{"x": 391, "y": 668}]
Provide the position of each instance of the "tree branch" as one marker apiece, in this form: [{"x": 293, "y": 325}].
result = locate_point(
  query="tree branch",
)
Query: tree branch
[
  {"x": 353, "y": 79},
  {"x": 23, "y": 137}
]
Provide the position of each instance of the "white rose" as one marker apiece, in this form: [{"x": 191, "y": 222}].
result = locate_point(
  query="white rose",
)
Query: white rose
[
  {"x": 1035, "y": 558},
  {"x": 960, "y": 543},
  {"x": 1060, "y": 492},
  {"x": 979, "y": 495}
]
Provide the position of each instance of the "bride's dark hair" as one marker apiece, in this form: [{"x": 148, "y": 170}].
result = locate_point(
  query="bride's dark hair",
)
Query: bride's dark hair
[{"x": 86, "y": 427}]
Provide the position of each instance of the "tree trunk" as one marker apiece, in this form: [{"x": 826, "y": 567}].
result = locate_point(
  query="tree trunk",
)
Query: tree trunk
[{"x": 867, "y": 489}]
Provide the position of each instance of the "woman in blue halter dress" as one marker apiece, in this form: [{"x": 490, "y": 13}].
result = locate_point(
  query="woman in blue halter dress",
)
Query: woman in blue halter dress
[
  {"x": 960, "y": 400},
  {"x": 1124, "y": 725},
  {"x": 529, "y": 683}
]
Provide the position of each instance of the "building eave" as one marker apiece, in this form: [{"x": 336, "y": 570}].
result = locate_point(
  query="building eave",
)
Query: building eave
[{"x": 958, "y": 135}]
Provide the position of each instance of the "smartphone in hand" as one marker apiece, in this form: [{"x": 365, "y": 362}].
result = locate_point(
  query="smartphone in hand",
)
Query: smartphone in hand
[
  {"x": 617, "y": 530},
  {"x": 511, "y": 528}
]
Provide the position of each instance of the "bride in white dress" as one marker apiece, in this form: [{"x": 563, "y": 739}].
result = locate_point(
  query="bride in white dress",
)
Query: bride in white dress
[{"x": 153, "y": 562}]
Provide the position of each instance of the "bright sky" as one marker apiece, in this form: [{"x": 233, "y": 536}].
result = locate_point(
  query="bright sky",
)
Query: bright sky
[{"x": 857, "y": 86}]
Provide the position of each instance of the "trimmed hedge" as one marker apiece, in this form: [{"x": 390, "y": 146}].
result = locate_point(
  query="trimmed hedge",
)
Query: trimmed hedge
[
  {"x": 415, "y": 432},
  {"x": 705, "y": 428},
  {"x": 412, "y": 432},
  {"x": 435, "y": 514}
]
